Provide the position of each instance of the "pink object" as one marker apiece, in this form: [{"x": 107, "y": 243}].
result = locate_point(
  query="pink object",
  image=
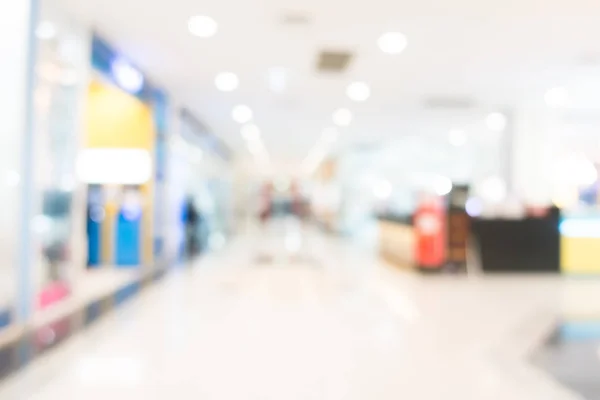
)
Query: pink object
[{"x": 52, "y": 293}]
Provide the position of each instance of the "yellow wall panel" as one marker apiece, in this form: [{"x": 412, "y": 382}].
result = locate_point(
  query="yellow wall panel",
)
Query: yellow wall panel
[
  {"x": 117, "y": 119},
  {"x": 580, "y": 255}
]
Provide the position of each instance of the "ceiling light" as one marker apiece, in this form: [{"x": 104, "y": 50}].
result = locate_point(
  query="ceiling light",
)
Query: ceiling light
[
  {"x": 277, "y": 78},
  {"x": 127, "y": 76},
  {"x": 557, "y": 97},
  {"x": 392, "y": 42},
  {"x": 442, "y": 185},
  {"x": 358, "y": 91},
  {"x": 242, "y": 114},
  {"x": 202, "y": 26},
  {"x": 496, "y": 122},
  {"x": 227, "y": 81},
  {"x": 250, "y": 132},
  {"x": 457, "y": 137},
  {"x": 342, "y": 117},
  {"x": 45, "y": 30}
]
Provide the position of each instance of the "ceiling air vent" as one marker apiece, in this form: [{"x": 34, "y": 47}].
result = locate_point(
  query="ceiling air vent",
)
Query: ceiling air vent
[
  {"x": 296, "y": 18},
  {"x": 334, "y": 61},
  {"x": 448, "y": 103}
]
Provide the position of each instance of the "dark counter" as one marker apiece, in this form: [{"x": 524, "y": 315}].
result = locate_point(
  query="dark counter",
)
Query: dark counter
[
  {"x": 397, "y": 218},
  {"x": 525, "y": 245}
]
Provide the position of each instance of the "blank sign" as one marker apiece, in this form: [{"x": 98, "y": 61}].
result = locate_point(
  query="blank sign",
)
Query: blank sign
[{"x": 114, "y": 166}]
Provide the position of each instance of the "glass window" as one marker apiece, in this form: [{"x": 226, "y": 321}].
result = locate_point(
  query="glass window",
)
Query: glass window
[{"x": 60, "y": 77}]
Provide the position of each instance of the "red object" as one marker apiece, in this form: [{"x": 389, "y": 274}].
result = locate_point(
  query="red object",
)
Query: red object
[
  {"x": 430, "y": 235},
  {"x": 52, "y": 294}
]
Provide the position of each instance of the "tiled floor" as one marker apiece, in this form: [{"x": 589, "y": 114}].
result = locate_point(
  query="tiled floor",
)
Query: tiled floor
[{"x": 333, "y": 323}]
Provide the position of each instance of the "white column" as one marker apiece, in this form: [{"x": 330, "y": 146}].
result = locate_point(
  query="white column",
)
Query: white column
[
  {"x": 16, "y": 47},
  {"x": 533, "y": 158}
]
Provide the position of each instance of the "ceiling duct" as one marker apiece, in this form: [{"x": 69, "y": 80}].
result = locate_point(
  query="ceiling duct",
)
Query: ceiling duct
[
  {"x": 296, "y": 18},
  {"x": 334, "y": 61},
  {"x": 448, "y": 103}
]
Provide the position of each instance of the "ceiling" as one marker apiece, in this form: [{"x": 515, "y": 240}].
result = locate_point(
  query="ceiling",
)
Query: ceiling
[{"x": 494, "y": 54}]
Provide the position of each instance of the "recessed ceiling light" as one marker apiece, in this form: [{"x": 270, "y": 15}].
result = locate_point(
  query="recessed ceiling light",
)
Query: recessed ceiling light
[
  {"x": 242, "y": 114},
  {"x": 250, "y": 132},
  {"x": 227, "y": 81},
  {"x": 392, "y": 42},
  {"x": 496, "y": 122},
  {"x": 45, "y": 30},
  {"x": 358, "y": 91},
  {"x": 342, "y": 117},
  {"x": 202, "y": 26},
  {"x": 457, "y": 137},
  {"x": 557, "y": 97}
]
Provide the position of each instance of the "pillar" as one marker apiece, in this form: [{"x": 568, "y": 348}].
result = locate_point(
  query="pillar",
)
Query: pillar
[
  {"x": 17, "y": 43},
  {"x": 534, "y": 138}
]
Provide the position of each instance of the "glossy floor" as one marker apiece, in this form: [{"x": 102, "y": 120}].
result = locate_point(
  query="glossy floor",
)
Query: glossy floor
[{"x": 332, "y": 322}]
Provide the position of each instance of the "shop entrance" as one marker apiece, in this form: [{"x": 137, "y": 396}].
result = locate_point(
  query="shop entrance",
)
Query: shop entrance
[{"x": 117, "y": 165}]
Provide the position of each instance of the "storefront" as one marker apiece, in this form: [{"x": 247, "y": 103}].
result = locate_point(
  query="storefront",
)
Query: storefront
[
  {"x": 199, "y": 187},
  {"x": 42, "y": 90},
  {"x": 83, "y": 180},
  {"x": 122, "y": 163},
  {"x": 61, "y": 72}
]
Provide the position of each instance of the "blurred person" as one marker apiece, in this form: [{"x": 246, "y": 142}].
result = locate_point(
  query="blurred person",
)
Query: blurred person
[{"x": 192, "y": 221}]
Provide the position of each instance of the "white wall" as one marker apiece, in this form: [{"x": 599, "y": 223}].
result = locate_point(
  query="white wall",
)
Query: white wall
[{"x": 534, "y": 154}]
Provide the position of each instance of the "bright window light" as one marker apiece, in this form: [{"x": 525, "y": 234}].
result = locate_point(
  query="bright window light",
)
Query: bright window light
[
  {"x": 202, "y": 26},
  {"x": 392, "y": 42},
  {"x": 114, "y": 166}
]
